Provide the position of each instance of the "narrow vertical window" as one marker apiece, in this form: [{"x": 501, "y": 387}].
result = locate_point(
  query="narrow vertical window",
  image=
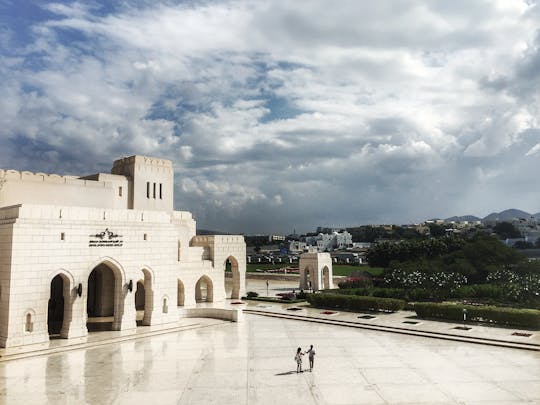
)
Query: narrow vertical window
[
  {"x": 120, "y": 191},
  {"x": 29, "y": 325},
  {"x": 62, "y": 236},
  {"x": 160, "y": 191},
  {"x": 147, "y": 189},
  {"x": 154, "y": 190},
  {"x": 165, "y": 307}
]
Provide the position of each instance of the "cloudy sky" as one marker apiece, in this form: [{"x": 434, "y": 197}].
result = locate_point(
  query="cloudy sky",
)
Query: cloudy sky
[{"x": 284, "y": 114}]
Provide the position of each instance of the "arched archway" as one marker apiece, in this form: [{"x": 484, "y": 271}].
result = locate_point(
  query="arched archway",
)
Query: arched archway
[
  {"x": 181, "y": 294},
  {"x": 231, "y": 267},
  {"x": 104, "y": 301},
  {"x": 139, "y": 296},
  {"x": 309, "y": 277},
  {"x": 326, "y": 277},
  {"x": 204, "y": 290},
  {"x": 59, "y": 306},
  {"x": 144, "y": 299}
]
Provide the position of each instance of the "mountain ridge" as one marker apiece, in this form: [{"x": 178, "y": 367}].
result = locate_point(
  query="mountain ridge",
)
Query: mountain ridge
[{"x": 505, "y": 215}]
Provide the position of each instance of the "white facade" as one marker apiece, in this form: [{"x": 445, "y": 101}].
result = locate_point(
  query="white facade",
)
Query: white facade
[
  {"x": 326, "y": 242},
  {"x": 105, "y": 251},
  {"x": 297, "y": 246}
]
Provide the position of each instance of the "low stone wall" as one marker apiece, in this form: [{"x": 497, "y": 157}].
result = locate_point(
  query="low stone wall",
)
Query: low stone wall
[{"x": 217, "y": 313}]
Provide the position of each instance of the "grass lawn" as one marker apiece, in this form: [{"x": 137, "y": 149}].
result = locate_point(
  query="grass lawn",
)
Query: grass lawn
[{"x": 347, "y": 269}]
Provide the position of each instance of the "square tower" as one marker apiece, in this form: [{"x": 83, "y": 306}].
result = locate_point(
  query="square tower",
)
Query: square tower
[{"x": 151, "y": 182}]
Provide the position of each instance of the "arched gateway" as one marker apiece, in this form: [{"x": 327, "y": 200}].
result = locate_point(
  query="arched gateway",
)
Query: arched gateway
[
  {"x": 315, "y": 271},
  {"x": 105, "y": 298},
  {"x": 59, "y": 306}
]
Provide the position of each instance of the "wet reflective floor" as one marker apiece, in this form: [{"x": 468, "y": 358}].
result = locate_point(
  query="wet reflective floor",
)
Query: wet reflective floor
[{"x": 252, "y": 363}]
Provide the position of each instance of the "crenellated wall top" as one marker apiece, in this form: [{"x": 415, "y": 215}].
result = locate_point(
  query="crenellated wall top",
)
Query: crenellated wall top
[
  {"x": 17, "y": 175},
  {"x": 146, "y": 160}
]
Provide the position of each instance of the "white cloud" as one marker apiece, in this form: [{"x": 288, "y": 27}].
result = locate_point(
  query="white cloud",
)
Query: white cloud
[{"x": 267, "y": 105}]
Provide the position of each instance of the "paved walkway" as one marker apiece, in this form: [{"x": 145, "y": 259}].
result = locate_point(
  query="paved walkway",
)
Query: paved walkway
[{"x": 251, "y": 362}]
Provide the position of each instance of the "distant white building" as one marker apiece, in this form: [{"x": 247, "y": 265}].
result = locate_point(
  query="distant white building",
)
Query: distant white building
[
  {"x": 326, "y": 242},
  {"x": 297, "y": 246}
]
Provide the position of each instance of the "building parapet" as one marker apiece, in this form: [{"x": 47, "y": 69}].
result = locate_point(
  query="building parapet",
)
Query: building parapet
[
  {"x": 15, "y": 175},
  {"x": 203, "y": 240},
  {"x": 53, "y": 212}
]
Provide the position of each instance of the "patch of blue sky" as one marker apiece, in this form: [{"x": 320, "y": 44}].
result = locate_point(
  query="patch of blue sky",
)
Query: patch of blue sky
[
  {"x": 280, "y": 109},
  {"x": 20, "y": 17},
  {"x": 29, "y": 88}
]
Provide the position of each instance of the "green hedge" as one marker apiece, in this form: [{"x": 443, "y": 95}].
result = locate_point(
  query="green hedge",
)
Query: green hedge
[
  {"x": 413, "y": 294},
  {"x": 499, "y": 315},
  {"x": 355, "y": 303}
]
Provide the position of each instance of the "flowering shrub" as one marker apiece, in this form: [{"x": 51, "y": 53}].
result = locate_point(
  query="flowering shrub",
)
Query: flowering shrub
[
  {"x": 517, "y": 287},
  {"x": 415, "y": 279}
]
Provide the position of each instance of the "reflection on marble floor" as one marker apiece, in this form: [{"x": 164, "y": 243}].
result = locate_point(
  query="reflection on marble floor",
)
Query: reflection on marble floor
[{"x": 249, "y": 363}]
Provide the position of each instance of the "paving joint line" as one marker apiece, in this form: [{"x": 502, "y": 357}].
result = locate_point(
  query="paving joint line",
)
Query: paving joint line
[{"x": 412, "y": 332}]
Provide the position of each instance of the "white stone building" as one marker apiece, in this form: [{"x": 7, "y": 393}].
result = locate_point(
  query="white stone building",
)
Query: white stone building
[
  {"x": 105, "y": 251},
  {"x": 326, "y": 242}
]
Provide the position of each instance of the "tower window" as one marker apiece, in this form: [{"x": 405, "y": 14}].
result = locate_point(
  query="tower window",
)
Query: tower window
[
  {"x": 120, "y": 191},
  {"x": 62, "y": 236},
  {"x": 147, "y": 189},
  {"x": 154, "y": 190},
  {"x": 160, "y": 191}
]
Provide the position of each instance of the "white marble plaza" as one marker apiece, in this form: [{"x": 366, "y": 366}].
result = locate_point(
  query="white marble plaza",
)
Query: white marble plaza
[{"x": 251, "y": 362}]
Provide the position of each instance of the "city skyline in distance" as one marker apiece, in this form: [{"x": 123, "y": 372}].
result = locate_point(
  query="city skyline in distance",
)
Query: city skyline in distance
[{"x": 279, "y": 116}]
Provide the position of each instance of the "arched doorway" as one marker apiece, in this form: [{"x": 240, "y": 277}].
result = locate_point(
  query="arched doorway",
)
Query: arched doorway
[
  {"x": 59, "y": 301},
  {"x": 139, "y": 296},
  {"x": 326, "y": 277},
  {"x": 144, "y": 299},
  {"x": 231, "y": 267},
  {"x": 308, "y": 278},
  {"x": 181, "y": 294},
  {"x": 204, "y": 290},
  {"x": 104, "y": 298}
]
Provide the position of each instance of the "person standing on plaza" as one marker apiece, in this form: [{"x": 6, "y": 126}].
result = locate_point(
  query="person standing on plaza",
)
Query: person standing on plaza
[
  {"x": 311, "y": 355},
  {"x": 298, "y": 358}
]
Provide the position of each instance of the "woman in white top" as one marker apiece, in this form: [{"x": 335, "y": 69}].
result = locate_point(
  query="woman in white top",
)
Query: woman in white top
[{"x": 298, "y": 358}]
